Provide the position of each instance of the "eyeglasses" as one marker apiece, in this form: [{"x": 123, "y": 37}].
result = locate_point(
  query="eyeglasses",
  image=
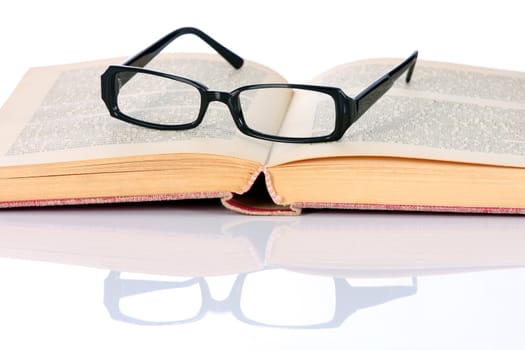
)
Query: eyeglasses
[{"x": 176, "y": 103}]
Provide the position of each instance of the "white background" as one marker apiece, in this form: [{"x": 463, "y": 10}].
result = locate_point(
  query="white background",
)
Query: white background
[
  {"x": 60, "y": 307},
  {"x": 297, "y": 38}
]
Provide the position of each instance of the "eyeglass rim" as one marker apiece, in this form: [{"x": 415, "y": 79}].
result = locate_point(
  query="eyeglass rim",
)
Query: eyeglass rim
[
  {"x": 344, "y": 105},
  {"x": 353, "y": 108}
]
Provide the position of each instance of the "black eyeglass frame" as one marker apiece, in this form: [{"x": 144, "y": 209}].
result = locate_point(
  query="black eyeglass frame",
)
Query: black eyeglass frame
[{"x": 347, "y": 109}]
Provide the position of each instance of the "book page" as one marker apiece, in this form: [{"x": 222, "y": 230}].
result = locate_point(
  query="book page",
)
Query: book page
[
  {"x": 447, "y": 112},
  {"x": 56, "y": 114}
]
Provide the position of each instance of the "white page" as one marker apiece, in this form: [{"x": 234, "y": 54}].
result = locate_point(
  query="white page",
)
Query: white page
[
  {"x": 57, "y": 114},
  {"x": 447, "y": 111}
]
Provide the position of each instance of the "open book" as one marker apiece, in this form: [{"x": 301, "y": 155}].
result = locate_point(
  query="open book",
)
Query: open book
[{"x": 451, "y": 140}]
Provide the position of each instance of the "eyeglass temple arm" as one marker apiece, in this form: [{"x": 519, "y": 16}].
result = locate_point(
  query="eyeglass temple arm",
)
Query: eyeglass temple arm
[
  {"x": 372, "y": 93},
  {"x": 146, "y": 55}
]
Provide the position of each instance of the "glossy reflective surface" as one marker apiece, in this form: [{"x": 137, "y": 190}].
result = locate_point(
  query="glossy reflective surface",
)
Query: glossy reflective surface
[{"x": 194, "y": 275}]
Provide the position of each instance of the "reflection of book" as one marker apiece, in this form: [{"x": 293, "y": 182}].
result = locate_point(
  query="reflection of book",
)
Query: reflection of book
[
  {"x": 365, "y": 245},
  {"x": 451, "y": 140},
  {"x": 125, "y": 242},
  {"x": 400, "y": 245}
]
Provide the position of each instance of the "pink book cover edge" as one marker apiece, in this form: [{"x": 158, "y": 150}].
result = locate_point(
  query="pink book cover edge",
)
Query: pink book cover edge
[
  {"x": 112, "y": 199},
  {"x": 230, "y": 203},
  {"x": 410, "y": 207}
]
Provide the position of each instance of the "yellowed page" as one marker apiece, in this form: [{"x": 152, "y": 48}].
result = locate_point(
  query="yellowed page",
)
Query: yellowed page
[
  {"x": 447, "y": 112},
  {"x": 56, "y": 114}
]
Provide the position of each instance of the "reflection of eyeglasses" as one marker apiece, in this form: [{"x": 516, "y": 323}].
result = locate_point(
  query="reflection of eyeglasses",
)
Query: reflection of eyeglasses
[
  {"x": 271, "y": 298},
  {"x": 163, "y": 101}
]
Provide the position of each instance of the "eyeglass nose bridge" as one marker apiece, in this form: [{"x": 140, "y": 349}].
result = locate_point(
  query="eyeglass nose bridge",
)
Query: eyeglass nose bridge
[
  {"x": 220, "y": 96},
  {"x": 231, "y": 100}
]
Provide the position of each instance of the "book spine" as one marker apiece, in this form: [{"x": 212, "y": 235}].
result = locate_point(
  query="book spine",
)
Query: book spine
[{"x": 253, "y": 202}]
